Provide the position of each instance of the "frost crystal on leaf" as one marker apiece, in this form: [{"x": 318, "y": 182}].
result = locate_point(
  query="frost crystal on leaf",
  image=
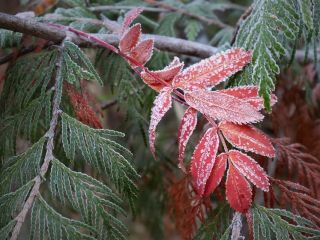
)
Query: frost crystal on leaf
[
  {"x": 165, "y": 75},
  {"x": 249, "y": 94},
  {"x": 203, "y": 159},
  {"x": 162, "y": 104},
  {"x": 221, "y": 106},
  {"x": 238, "y": 190},
  {"x": 143, "y": 51},
  {"x": 187, "y": 126},
  {"x": 213, "y": 70},
  {"x": 216, "y": 174},
  {"x": 130, "y": 38},
  {"x": 129, "y": 17},
  {"x": 250, "y": 168},
  {"x": 248, "y": 138}
]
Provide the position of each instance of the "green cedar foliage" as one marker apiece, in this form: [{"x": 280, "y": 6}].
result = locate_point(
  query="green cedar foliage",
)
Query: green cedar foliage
[
  {"x": 281, "y": 224},
  {"x": 271, "y": 31},
  {"x": 26, "y": 109}
]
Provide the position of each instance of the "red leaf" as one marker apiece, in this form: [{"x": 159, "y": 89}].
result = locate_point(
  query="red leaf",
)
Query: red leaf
[
  {"x": 238, "y": 190},
  {"x": 143, "y": 51},
  {"x": 250, "y": 168},
  {"x": 250, "y": 94},
  {"x": 213, "y": 70},
  {"x": 216, "y": 174},
  {"x": 248, "y": 138},
  {"x": 166, "y": 75},
  {"x": 130, "y": 38},
  {"x": 162, "y": 104},
  {"x": 187, "y": 126},
  {"x": 129, "y": 17},
  {"x": 221, "y": 106},
  {"x": 203, "y": 159}
]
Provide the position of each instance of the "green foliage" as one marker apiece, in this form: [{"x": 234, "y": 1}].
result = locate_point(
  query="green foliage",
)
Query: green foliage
[
  {"x": 93, "y": 199},
  {"x": 100, "y": 151},
  {"x": 11, "y": 204},
  {"x": 28, "y": 123},
  {"x": 260, "y": 32},
  {"x": 166, "y": 25},
  {"x": 192, "y": 29},
  {"x": 27, "y": 79},
  {"x": 9, "y": 39},
  {"x": 271, "y": 31},
  {"x": 45, "y": 221},
  {"x": 281, "y": 224},
  {"x": 27, "y": 104},
  {"x": 18, "y": 170},
  {"x": 217, "y": 225},
  {"x": 77, "y": 66}
]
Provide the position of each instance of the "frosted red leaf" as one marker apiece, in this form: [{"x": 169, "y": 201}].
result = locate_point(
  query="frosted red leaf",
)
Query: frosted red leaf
[
  {"x": 143, "y": 51},
  {"x": 213, "y": 70},
  {"x": 187, "y": 126},
  {"x": 162, "y": 104},
  {"x": 216, "y": 174},
  {"x": 221, "y": 106},
  {"x": 250, "y": 94},
  {"x": 130, "y": 38},
  {"x": 250, "y": 168},
  {"x": 129, "y": 17},
  {"x": 166, "y": 75},
  {"x": 238, "y": 190},
  {"x": 203, "y": 159},
  {"x": 247, "y": 138}
]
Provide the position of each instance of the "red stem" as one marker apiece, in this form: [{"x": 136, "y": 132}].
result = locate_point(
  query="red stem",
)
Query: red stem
[{"x": 115, "y": 50}]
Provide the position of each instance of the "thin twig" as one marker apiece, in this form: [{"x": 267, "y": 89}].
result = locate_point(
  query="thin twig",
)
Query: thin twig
[
  {"x": 20, "y": 218},
  {"x": 203, "y": 19},
  {"x": 42, "y": 30},
  {"x": 110, "y": 8}
]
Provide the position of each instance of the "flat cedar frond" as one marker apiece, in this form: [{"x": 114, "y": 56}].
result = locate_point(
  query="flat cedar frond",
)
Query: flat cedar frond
[
  {"x": 299, "y": 165},
  {"x": 30, "y": 110},
  {"x": 299, "y": 199},
  {"x": 279, "y": 224},
  {"x": 185, "y": 208},
  {"x": 260, "y": 33}
]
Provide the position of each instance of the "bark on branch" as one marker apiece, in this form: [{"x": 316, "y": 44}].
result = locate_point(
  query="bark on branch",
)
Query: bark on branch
[
  {"x": 20, "y": 218},
  {"x": 45, "y": 31}
]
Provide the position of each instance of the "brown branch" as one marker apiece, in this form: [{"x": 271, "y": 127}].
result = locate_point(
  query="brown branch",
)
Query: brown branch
[
  {"x": 20, "y": 218},
  {"x": 170, "y": 44},
  {"x": 110, "y": 8},
  {"x": 45, "y": 31}
]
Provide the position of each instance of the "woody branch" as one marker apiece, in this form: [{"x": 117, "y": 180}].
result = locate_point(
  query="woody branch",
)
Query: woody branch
[{"x": 20, "y": 218}]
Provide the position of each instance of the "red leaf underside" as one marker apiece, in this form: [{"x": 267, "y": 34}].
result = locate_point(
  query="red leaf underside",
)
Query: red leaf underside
[
  {"x": 143, "y": 51},
  {"x": 216, "y": 174},
  {"x": 203, "y": 159},
  {"x": 221, "y": 106},
  {"x": 238, "y": 190},
  {"x": 250, "y": 168},
  {"x": 187, "y": 126},
  {"x": 249, "y": 94},
  {"x": 166, "y": 75},
  {"x": 130, "y": 38},
  {"x": 129, "y": 17},
  {"x": 248, "y": 138},
  {"x": 213, "y": 70},
  {"x": 162, "y": 104}
]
